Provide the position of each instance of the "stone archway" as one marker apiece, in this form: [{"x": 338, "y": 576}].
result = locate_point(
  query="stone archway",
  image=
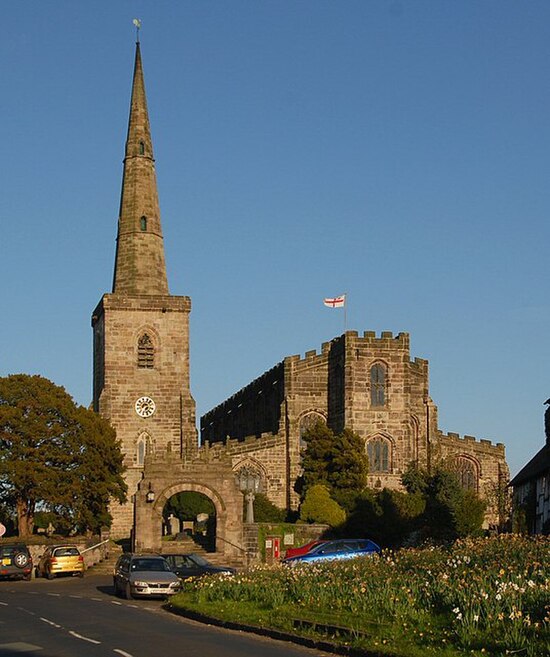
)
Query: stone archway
[{"x": 163, "y": 479}]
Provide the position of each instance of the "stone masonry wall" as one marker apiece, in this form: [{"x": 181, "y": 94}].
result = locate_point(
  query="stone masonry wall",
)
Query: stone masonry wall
[
  {"x": 334, "y": 385},
  {"x": 251, "y": 411},
  {"x": 118, "y": 322}
]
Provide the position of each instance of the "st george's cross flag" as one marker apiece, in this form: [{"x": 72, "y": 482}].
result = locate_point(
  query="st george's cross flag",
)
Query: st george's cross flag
[{"x": 336, "y": 302}]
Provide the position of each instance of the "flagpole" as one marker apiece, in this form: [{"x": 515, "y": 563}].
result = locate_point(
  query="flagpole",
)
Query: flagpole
[{"x": 345, "y": 312}]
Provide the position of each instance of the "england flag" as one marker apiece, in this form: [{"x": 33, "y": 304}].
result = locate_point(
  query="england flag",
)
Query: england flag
[{"x": 335, "y": 302}]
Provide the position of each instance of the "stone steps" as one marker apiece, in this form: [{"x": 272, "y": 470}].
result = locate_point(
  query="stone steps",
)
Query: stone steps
[
  {"x": 107, "y": 565},
  {"x": 188, "y": 545}
]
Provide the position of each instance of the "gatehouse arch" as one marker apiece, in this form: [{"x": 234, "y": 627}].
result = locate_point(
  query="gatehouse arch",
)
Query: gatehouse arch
[{"x": 163, "y": 479}]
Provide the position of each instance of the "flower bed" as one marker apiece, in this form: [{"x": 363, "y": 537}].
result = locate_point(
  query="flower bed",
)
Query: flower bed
[{"x": 484, "y": 596}]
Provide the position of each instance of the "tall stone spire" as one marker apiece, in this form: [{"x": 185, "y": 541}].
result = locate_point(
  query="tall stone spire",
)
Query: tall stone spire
[{"x": 139, "y": 267}]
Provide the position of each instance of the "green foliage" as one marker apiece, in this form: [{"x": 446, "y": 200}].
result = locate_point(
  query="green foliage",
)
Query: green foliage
[
  {"x": 187, "y": 506},
  {"x": 319, "y": 507},
  {"x": 337, "y": 461},
  {"x": 53, "y": 454},
  {"x": 468, "y": 514},
  {"x": 475, "y": 597},
  {"x": 415, "y": 479},
  {"x": 266, "y": 511},
  {"x": 451, "y": 511},
  {"x": 387, "y": 516},
  {"x": 435, "y": 507}
]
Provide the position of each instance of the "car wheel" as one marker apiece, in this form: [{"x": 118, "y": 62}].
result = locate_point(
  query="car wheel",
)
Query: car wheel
[
  {"x": 128, "y": 592},
  {"x": 49, "y": 575},
  {"x": 80, "y": 574},
  {"x": 21, "y": 560}
]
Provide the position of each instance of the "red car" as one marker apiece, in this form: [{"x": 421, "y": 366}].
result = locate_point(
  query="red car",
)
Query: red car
[{"x": 304, "y": 549}]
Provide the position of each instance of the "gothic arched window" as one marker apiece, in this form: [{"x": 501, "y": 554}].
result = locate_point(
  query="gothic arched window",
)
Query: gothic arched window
[
  {"x": 467, "y": 473},
  {"x": 307, "y": 422},
  {"x": 142, "y": 148},
  {"x": 143, "y": 223},
  {"x": 146, "y": 352},
  {"x": 378, "y": 385},
  {"x": 379, "y": 453}
]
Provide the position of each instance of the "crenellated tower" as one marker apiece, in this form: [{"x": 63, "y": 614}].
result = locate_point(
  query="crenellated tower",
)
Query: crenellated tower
[{"x": 141, "y": 332}]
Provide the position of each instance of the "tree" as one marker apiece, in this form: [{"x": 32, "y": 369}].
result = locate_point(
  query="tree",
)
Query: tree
[
  {"x": 337, "y": 461},
  {"x": 55, "y": 456},
  {"x": 265, "y": 510},
  {"x": 318, "y": 506},
  {"x": 450, "y": 511}
]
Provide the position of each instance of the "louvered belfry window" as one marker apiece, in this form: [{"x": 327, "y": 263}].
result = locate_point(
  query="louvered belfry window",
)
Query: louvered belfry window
[{"x": 146, "y": 352}]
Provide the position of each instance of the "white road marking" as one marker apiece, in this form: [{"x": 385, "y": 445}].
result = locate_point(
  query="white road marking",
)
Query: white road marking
[
  {"x": 116, "y": 602},
  {"x": 50, "y": 622},
  {"x": 4, "y": 604},
  {"x": 19, "y": 646},
  {"x": 55, "y": 595},
  {"x": 78, "y": 597},
  {"x": 97, "y": 599},
  {"x": 84, "y": 638},
  {"x": 121, "y": 652}
]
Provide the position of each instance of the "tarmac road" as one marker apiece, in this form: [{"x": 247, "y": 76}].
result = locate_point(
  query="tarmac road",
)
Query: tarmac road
[{"x": 73, "y": 617}]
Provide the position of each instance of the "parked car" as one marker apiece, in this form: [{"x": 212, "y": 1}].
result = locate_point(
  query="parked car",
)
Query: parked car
[
  {"x": 60, "y": 560},
  {"x": 345, "y": 548},
  {"x": 193, "y": 565},
  {"x": 15, "y": 562},
  {"x": 295, "y": 552},
  {"x": 144, "y": 575}
]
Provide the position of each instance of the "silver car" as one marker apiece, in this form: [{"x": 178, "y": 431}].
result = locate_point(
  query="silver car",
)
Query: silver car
[{"x": 144, "y": 575}]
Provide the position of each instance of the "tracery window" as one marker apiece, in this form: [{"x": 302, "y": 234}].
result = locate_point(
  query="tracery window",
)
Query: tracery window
[
  {"x": 378, "y": 385},
  {"x": 379, "y": 453},
  {"x": 307, "y": 422},
  {"x": 467, "y": 473},
  {"x": 146, "y": 352}
]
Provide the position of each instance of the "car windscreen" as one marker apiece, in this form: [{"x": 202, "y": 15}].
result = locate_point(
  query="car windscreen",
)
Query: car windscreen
[
  {"x": 200, "y": 561},
  {"x": 66, "y": 552},
  {"x": 10, "y": 550},
  {"x": 158, "y": 565}
]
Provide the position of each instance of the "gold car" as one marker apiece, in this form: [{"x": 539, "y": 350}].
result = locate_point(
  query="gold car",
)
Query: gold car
[{"x": 60, "y": 560}]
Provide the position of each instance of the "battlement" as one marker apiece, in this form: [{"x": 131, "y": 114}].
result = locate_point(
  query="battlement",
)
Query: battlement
[
  {"x": 385, "y": 340},
  {"x": 216, "y": 451},
  {"x": 464, "y": 440},
  {"x": 261, "y": 385}
]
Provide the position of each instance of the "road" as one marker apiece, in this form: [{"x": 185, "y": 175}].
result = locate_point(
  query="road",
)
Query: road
[{"x": 72, "y": 617}]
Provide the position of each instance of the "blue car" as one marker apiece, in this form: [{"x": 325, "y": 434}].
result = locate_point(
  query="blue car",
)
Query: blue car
[{"x": 345, "y": 548}]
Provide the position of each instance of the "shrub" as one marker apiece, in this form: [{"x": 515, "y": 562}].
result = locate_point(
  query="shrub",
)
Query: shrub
[
  {"x": 318, "y": 506},
  {"x": 266, "y": 511}
]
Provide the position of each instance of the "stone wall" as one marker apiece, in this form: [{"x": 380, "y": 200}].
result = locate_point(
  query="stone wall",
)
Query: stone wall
[
  {"x": 119, "y": 321},
  {"x": 335, "y": 385}
]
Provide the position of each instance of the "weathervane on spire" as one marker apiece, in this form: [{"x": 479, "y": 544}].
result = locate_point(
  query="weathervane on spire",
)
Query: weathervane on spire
[{"x": 137, "y": 23}]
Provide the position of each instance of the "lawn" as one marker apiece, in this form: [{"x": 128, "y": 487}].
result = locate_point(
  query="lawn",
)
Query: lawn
[{"x": 481, "y": 597}]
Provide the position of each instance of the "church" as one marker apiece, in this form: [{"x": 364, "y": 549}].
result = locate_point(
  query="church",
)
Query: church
[{"x": 141, "y": 383}]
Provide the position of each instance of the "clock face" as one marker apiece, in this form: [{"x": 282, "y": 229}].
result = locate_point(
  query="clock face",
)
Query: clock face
[{"x": 145, "y": 407}]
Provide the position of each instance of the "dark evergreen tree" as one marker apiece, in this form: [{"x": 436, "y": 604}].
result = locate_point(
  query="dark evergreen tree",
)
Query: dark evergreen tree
[{"x": 337, "y": 461}]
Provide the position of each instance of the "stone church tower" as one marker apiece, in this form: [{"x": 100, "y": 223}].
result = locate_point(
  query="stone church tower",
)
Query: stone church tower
[{"x": 141, "y": 331}]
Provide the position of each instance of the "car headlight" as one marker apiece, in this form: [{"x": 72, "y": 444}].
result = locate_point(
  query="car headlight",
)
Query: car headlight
[
  {"x": 174, "y": 585},
  {"x": 140, "y": 584}
]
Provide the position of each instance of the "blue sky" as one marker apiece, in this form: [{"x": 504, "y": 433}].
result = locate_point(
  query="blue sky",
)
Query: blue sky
[{"x": 396, "y": 151}]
